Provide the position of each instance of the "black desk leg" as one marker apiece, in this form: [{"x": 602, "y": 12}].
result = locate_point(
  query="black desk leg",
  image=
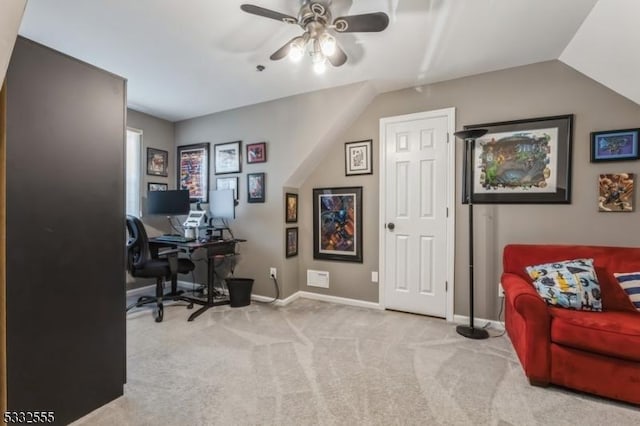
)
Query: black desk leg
[{"x": 210, "y": 303}]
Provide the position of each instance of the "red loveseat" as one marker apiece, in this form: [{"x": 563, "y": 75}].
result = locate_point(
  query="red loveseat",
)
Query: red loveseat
[{"x": 594, "y": 352}]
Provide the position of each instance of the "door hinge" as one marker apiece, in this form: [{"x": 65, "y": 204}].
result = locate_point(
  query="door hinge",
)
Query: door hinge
[
  {"x": 447, "y": 137},
  {"x": 447, "y": 211},
  {"x": 446, "y": 286}
]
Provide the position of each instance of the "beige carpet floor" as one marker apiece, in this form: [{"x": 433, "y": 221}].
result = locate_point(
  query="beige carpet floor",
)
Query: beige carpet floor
[{"x": 316, "y": 363}]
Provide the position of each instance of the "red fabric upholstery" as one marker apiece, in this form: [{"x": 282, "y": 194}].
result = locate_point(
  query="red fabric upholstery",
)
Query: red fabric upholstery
[
  {"x": 596, "y": 374},
  {"x": 606, "y": 260},
  {"x": 596, "y": 352},
  {"x": 614, "y": 334}
]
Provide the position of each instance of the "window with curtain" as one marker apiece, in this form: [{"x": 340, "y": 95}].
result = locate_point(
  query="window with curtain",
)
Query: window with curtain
[{"x": 133, "y": 175}]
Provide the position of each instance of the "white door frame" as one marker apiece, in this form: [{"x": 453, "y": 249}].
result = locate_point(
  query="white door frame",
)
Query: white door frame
[{"x": 451, "y": 191}]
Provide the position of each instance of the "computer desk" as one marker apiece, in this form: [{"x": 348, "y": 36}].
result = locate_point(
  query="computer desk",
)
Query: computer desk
[{"x": 218, "y": 252}]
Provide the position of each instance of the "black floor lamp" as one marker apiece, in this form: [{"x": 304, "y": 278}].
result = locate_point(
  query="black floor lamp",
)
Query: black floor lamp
[{"x": 469, "y": 137}]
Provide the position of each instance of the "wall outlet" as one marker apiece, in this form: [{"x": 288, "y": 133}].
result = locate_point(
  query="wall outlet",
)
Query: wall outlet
[
  {"x": 374, "y": 276},
  {"x": 500, "y": 290},
  {"x": 273, "y": 272}
]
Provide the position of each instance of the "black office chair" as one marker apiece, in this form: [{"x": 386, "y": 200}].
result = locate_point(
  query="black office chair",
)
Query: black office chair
[{"x": 144, "y": 263}]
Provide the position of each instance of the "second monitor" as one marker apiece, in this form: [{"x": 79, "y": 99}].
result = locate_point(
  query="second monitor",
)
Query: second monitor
[{"x": 222, "y": 204}]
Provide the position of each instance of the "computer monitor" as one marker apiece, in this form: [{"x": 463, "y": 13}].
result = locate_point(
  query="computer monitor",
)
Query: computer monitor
[
  {"x": 222, "y": 204},
  {"x": 168, "y": 203}
]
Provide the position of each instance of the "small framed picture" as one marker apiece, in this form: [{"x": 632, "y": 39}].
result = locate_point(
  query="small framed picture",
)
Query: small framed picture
[
  {"x": 227, "y": 158},
  {"x": 614, "y": 145},
  {"x": 358, "y": 158},
  {"x": 155, "y": 186},
  {"x": 257, "y": 152},
  {"x": 292, "y": 242},
  {"x": 228, "y": 183},
  {"x": 157, "y": 161},
  {"x": 291, "y": 207},
  {"x": 255, "y": 188},
  {"x": 615, "y": 192}
]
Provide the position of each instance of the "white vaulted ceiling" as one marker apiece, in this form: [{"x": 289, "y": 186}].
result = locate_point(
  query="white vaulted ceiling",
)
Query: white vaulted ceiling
[{"x": 195, "y": 57}]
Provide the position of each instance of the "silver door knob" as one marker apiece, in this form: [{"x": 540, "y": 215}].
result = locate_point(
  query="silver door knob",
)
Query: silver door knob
[{"x": 391, "y": 226}]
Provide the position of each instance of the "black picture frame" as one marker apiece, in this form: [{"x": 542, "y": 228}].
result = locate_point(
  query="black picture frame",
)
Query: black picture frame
[
  {"x": 337, "y": 224},
  {"x": 256, "y": 187},
  {"x": 157, "y": 186},
  {"x": 157, "y": 162},
  {"x": 291, "y": 241},
  {"x": 521, "y": 162},
  {"x": 621, "y": 144},
  {"x": 256, "y": 152},
  {"x": 193, "y": 171},
  {"x": 291, "y": 207},
  {"x": 229, "y": 182},
  {"x": 227, "y": 158},
  {"x": 358, "y": 158}
]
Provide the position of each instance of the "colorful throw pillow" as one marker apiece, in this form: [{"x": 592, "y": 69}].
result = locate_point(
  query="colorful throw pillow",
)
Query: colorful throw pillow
[
  {"x": 569, "y": 284},
  {"x": 630, "y": 283}
]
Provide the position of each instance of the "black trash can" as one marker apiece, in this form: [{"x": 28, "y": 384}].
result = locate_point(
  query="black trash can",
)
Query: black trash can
[{"x": 239, "y": 291}]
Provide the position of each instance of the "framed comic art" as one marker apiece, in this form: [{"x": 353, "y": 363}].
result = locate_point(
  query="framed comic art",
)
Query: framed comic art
[
  {"x": 156, "y": 186},
  {"x": 228, "y": 183},
  {"x": 337, "y": 224},
  {"x": 257, "y": 152},
  {"x": 227, "y": 158},
  {"x": 157, "y": 162},
  {"x": 358, "y": 158},
  {"x": 614, "y": 145},
  {"x": 255, "y": 188},
  {"x": 521, "y": 162},
  {"x": 291, "y": 207},
  {"x": 291, "y": 239},
  {"x": 193, "y": 171}
]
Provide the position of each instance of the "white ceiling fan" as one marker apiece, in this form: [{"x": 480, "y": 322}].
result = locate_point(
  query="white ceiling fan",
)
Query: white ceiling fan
[{"x": 315, "y": 18}]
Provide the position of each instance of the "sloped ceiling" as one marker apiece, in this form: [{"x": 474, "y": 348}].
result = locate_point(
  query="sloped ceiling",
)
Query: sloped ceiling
[
  {"x": 606, "y": 47},
  {"x": 10, "y": 15},
  {"x": 195, "y": 57}
]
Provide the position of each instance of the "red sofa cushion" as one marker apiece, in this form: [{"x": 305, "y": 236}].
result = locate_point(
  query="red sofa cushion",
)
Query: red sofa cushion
[
  {"x": 606, "y": 260},
  {"x": 615, "y": 334}
]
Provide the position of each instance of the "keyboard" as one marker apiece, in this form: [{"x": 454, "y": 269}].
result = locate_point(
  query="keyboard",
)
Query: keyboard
[{"x": 174, "y": 239}]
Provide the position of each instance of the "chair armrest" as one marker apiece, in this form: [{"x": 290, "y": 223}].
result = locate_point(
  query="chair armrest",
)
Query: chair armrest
[
  {"x": 172, "y": 257},
  {"x": 168, "y": 252},
  {"x": 528, "y": 324}
]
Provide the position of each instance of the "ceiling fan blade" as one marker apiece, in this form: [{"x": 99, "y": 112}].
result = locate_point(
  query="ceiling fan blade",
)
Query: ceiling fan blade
[
  {"x": 267, "y": 13},
  {"x": 366, "y": 23},
  {"x": 338, "y": 58},
  {"x": 283, "y": 51}
]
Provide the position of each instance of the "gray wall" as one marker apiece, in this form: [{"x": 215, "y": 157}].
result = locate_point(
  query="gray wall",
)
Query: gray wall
[
  {"x": 160, "y": 134},
  {"x": 298, "y": 130},
  {"x": 544, "y": 89},
  {"x": 290, "y": 127}
]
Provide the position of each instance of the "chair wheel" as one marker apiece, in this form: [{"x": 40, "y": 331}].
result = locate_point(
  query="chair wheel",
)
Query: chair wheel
[{"x": 160, "y": 314}]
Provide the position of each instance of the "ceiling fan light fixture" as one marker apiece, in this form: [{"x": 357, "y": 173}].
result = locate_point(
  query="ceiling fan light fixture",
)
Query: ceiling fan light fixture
[
  {"x": 297, "y": 49},
  {"x": 327, "y": 44}
]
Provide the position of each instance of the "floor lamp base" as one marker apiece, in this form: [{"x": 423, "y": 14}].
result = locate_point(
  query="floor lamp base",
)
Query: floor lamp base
[{"x": 472, "y": 332}]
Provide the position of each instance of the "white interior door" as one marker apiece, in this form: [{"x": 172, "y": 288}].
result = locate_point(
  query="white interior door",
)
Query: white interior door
[{"x": 417, "y": 183}]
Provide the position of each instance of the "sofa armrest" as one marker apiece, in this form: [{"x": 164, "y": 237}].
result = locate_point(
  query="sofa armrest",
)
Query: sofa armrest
[
  {"x": 523, "y": 297},
  {"x": 527, "y": 321}
]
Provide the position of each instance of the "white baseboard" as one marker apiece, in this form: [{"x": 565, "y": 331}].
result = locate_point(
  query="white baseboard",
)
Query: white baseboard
[
  {"x": 317, "y": 296},
  {"x": 340, "y": 300},
  {"x": 278, "y": 302},
  {"x": 481, "y": 322}
]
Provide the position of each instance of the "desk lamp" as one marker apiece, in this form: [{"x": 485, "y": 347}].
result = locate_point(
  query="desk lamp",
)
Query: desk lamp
[{"x": 469, "y": 137}]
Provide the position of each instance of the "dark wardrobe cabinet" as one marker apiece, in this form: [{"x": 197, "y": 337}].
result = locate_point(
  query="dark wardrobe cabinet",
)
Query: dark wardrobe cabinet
[{"x": 65, "y": 235}]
